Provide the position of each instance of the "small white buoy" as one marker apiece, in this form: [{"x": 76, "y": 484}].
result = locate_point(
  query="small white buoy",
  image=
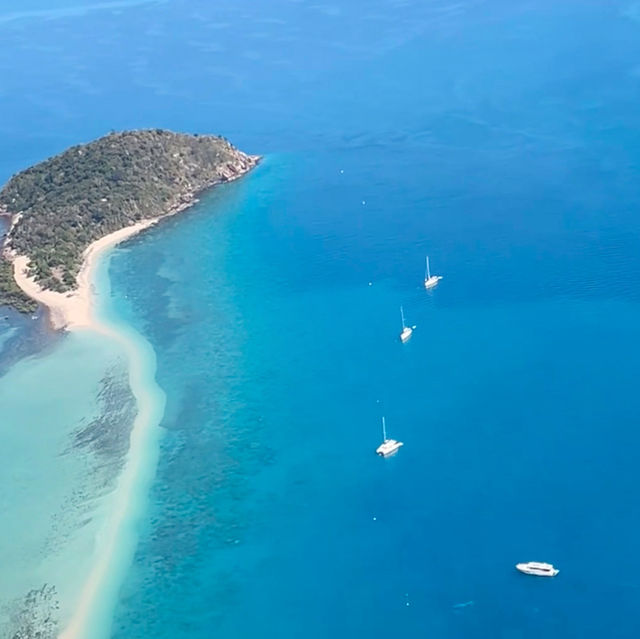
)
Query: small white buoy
[
  {"x": 370, "y": 283},
  {"x": 341, "y": 170},
  {"x": 375, "y": 519},
  {"x": 363, "y": 202}
]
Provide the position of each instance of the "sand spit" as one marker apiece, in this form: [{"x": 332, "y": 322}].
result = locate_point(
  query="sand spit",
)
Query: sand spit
[{"x": 115, "y": 544}]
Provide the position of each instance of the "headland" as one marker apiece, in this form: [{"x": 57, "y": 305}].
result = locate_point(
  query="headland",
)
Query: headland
[{"x": 67, "y": 211}]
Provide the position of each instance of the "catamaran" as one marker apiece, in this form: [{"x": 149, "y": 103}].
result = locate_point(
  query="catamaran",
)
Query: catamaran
[
  {"x": 430, "y": 280},
  {"x": 407, "y": 331},
  {"x": 538, "y": 569},
  {"x": 388, "y": 446}
]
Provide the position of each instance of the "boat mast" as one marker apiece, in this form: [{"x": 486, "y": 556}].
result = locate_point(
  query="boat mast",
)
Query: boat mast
[
  {"x": 428, "y": 271},
  {"x": 384, "y": 430},
  {"x": 402, "y": 316}
]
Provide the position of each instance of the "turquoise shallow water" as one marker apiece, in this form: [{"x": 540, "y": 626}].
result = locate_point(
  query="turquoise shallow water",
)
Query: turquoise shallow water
[
  {"x": 500, "y": 138},
  {"x": 65, "y": 424}
]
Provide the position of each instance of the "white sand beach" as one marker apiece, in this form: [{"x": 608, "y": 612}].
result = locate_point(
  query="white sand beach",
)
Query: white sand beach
[{"x": 73, "y": 310}]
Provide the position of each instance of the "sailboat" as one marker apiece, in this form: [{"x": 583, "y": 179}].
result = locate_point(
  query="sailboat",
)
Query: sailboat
[
  {"x": 407, "y": 331},
  {"x": 430, "y": 280},
  {"x": 389, "y": 446}
]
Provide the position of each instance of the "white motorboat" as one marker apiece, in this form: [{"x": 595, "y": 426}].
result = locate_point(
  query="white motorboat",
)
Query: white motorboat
[
  {"x": 389, "y": 446},
  {"x": 538, "y": 569},
  {"x": 430, "y": 280}
]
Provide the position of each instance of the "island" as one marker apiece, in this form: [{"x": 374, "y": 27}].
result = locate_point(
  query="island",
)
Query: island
[{"x": 71, "y": 206}]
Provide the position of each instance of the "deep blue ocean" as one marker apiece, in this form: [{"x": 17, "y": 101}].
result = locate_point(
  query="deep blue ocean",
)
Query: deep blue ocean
[{"x": 501, "y": 138}]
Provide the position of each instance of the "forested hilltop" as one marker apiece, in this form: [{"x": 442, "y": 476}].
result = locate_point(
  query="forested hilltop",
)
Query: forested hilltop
[{"x": 60, "y": 206}]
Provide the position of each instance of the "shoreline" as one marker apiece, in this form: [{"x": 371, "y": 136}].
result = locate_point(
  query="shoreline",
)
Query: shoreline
[{"x": 73, "y": 310}]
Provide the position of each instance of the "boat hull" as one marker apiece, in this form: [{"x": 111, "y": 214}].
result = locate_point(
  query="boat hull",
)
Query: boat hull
[
  {"x": 533, "y": 571},
  {"x": 388, "y": 448},
  {"x": 432, "y": 281}
]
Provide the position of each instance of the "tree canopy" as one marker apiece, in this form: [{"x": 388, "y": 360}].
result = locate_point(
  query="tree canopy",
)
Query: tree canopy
[{"x": 63, "y": 204}]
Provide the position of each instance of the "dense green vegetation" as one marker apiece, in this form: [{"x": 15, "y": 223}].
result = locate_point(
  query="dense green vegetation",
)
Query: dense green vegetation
[
  {"x": 10, "y": 293},
  {"x": 74, "y": 198}
]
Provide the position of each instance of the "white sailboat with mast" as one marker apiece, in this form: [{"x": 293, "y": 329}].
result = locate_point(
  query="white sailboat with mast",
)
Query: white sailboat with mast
[
  {"x": 407, "y": 331},
  {"x": 430, "y": 280},
  {"x": 389, "y": 446}
]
